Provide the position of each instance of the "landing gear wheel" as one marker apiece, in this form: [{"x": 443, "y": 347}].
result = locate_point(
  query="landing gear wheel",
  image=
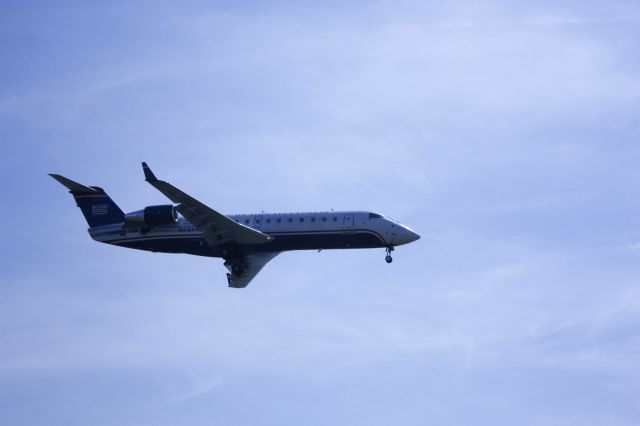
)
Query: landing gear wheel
[
  {"x": 237, "y": 269},
  {"x": 388, "y": 257},
  {"x": 228, "y": 251}
]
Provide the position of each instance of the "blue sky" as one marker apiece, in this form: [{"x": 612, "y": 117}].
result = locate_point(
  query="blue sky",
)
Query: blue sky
[{"x": 505, "y": 133}]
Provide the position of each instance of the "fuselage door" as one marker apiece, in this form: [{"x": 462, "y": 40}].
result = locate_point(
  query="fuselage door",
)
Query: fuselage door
[
  {"x": 348, "y": 221},
  {"x": 257, "y": 221}
]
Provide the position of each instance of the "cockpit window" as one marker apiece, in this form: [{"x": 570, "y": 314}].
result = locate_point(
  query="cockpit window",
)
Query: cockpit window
[{"x": 375, "y": 216}]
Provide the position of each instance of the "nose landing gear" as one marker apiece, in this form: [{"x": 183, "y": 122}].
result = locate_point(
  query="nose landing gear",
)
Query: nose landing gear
[{"x": 388, "y": 257}]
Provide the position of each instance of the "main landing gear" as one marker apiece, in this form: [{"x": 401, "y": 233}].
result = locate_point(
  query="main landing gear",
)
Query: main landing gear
[
  {"x": 235, "y": 266},
  {"x": 229, "y": 251},
  {"x": 237, "y": 269},
  {"x": 388, "y": 257},
  {"x": 234, "y": 260}
]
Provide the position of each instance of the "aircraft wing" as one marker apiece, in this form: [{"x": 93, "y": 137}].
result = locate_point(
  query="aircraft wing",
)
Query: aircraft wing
[
  {"x": 253, "y": 264},
  {"x": 216, "y": 227}
]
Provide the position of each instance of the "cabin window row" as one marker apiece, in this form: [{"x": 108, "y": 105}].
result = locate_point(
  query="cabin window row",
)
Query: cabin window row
[{"x": 290, "y": 220}]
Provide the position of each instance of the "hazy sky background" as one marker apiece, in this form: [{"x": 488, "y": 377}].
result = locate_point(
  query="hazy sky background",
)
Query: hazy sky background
[{"x": 505, "y": 133}]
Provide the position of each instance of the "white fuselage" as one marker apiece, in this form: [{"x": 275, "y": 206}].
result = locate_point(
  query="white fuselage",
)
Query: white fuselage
[{"x": 291, "y": 231}]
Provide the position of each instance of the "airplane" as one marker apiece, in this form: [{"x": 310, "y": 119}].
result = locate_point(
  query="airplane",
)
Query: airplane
[{"x": 246, "y": 242}]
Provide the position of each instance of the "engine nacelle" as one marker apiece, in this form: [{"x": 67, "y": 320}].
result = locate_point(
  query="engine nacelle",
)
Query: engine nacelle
[{"x": 152, "y": 216}]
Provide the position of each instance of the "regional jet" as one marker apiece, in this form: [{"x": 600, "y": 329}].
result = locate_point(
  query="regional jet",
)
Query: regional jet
[{"x": 246, "y": 242}]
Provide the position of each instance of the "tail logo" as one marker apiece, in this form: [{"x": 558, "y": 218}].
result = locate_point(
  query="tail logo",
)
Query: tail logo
[{"x": 99, "y": 209}]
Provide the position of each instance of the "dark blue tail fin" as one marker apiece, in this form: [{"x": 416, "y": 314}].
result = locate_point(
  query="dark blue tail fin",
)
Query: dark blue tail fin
[{"x": 97, "y": 207}]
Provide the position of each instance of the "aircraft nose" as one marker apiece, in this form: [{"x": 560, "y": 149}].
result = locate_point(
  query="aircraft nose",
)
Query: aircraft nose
[
  {"x": 407, "y": 236},
  {"x": 412, "y": 236}
]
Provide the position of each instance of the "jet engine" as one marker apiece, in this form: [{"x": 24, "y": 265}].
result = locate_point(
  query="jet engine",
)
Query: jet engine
[{"x": 152, "y": 216}]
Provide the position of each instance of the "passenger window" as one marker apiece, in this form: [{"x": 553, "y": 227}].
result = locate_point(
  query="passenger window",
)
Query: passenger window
[
  {"x": 313, "y": 219},
  {"x": 268, "y": 220},
  {"x": 279, "y": 220},
  {"x": 324, "y": 219},
  {"x": 335, "y": 219},
  {"x": 302, "y": 219},
  {"x": 246, "y": 221},
  {"x": 290, "y": 220}
]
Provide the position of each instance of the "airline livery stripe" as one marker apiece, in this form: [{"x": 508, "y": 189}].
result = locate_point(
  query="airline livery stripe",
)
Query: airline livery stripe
[
  {"x": 138, "y": 238},
  {"x": 159, "y": 237}
]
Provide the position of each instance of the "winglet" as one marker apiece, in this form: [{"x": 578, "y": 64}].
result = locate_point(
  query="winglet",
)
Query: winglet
[
  {"x": 148, "y": 174},
  {"x": 72, "y": 185}
]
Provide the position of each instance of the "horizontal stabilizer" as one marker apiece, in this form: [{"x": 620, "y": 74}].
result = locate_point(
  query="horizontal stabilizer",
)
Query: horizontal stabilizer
[{"x": 72, "y": 185}]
